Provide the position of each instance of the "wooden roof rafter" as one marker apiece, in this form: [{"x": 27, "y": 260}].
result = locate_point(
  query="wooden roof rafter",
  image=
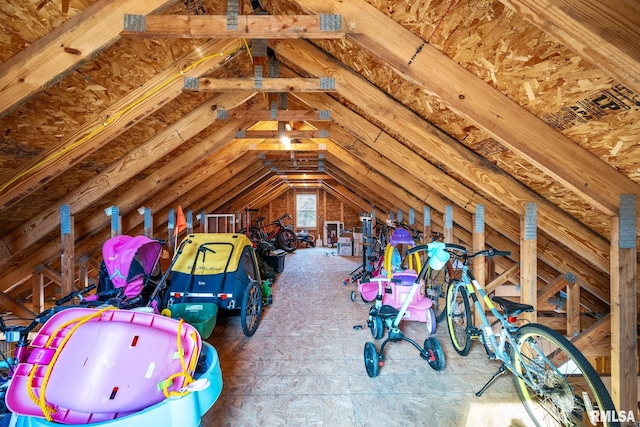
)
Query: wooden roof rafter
[{"x": 591, "y": 178}]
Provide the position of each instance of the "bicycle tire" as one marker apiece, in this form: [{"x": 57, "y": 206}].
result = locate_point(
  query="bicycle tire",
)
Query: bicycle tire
[
  {"x": 254, "y": 234},
  {"x": 459, "y": 317},
  {"x": 288, "y": 240},
  {"x": 436, "y": 289},
  {"x": 560, "y": 399}
]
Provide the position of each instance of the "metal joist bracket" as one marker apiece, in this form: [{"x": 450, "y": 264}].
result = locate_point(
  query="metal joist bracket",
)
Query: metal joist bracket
[
  {"x": 273, "y": 67},
  {"x": 241, "y": 133},
  {"x": 259, "y": 48},
  {"x": 324, "y": 115},
  {"x": 257, "y": 76},
  {"x": 273, "y": 111},
  {"x": 232, "y": 15},
  {"x": 327, "y": 83},
  {"x": 479, "y": 225},
  {"x": 222, "y": 114},
  {"x": 191, "y": 83},
  {"x": 323, "y": 133},
  {"x": 530, "y": 221},
  {"x": 627, "y": 221},
  {"x": 135, "y": 23},
  {"x": 329, "y": 22}
]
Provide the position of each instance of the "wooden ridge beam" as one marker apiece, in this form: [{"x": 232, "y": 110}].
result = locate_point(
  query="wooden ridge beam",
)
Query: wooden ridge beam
[
  {"x": 266, "y": 84},
  {"x": 275, "y": 115},
  {"x": 246, "y": 26}
]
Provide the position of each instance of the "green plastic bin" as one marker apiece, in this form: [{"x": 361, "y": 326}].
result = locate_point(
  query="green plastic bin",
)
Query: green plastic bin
[{"x": 201, "y": 316}]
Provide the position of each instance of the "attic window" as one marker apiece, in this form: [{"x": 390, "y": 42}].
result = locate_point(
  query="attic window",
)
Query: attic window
[{"x": 306, "y": 211}]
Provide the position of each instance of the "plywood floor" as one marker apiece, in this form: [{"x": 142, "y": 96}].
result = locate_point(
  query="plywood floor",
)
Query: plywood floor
[{"x": 304, "y": 365}]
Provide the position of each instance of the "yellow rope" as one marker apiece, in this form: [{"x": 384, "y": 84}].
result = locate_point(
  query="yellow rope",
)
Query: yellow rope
[
  {"x": 186, "y": 371},
  {"x": 112, "y": 118},
  {"x": 48, "y": 410}
]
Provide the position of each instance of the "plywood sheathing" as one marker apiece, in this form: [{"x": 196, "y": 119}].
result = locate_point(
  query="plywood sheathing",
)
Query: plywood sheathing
[{"x": 550, "y": 81}]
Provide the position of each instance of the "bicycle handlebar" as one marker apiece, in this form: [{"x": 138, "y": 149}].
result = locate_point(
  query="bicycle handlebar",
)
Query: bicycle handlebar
[
  {"x": 74, "y": 294},
  {"x": 489, "y": 253}
]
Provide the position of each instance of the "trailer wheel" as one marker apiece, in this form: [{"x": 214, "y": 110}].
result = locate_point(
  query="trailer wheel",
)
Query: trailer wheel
[{"x": 251, "y": 309}]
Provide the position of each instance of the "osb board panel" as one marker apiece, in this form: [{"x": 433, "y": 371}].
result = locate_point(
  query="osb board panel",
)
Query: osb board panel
[
  {"x": 24, "y": 22},
  {"x": 83, "y": 94},
  {"x": 527, "y": 66}
]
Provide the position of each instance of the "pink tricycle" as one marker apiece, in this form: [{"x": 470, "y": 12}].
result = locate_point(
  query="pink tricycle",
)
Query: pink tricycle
[
  {"x": 385, "y": 316},
  {"x": 394, "y": 285}
]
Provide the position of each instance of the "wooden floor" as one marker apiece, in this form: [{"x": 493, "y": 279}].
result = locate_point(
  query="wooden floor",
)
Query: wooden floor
[{"x": 304, "y": 365}]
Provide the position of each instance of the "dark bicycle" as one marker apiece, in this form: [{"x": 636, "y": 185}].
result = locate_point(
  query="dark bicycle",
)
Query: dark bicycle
[{"x": 277, "y": 233}]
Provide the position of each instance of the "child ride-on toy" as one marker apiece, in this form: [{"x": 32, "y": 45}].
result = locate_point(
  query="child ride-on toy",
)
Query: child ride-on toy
[
  {"x": 383, "y": 316},
  {"x": 394, "y": 283}
]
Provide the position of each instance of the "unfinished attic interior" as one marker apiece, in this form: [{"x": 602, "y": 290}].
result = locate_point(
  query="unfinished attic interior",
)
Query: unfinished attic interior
[{"x": 512, "y": 124}]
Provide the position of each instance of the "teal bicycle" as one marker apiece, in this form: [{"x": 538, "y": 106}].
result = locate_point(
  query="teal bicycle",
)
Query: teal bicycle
[{"x": 556, "y": 383}]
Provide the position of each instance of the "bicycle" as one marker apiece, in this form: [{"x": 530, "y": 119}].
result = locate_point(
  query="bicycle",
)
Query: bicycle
[
  {"x": 555, "y": 382},
  {"x": 280, "y": 234},
  {"x": 437, "y": 282}
]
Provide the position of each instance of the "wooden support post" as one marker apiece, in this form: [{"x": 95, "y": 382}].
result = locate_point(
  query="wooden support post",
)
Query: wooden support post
[
  {"x": 189, "y": 221},
  {"x": 37, "y": 290},
  {"x": 83, "y": 272},
  {"x": 573, "y": 309},
  {"x": 624, "y": 335},
  {"x": 148, "y": 221},
  {"x": 203, "y": 221},
  {"x": 448, "y": 224},
  {"x": 478, "y": 243},
  {"x": 426, "y": 223},
  {"x": 528, "y": 260},
  {"x": 67, "y": 256}
]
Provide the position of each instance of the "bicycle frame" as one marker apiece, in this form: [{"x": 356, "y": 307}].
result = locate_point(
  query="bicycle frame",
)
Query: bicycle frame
[
  {"x": 507, "y": 329},
  {"x": 496, "y": 347}
]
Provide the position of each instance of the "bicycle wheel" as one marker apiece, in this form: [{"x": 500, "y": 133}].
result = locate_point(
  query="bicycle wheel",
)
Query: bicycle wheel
[
  {"x": 254, "y": 234},
  {"x": 436, "y": 289},
  {"x": 251, "y": 309},
  {"x": 566, "y": 390},
  {"x": 459, "y": 317},
  {"x": 288, "y": 240}
]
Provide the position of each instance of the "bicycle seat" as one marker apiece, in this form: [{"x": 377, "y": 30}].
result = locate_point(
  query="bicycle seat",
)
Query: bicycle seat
[
  {"x": 387, "y": 311},
  {"x": 511, "y": 308}
]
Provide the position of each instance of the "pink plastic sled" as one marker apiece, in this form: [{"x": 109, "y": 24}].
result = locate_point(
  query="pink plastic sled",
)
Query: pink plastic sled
[{"x": 91, "y": 365}]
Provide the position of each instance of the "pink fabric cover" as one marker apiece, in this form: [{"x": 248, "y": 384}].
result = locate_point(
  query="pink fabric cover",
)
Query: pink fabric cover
[{"x": 120, "y": 252}]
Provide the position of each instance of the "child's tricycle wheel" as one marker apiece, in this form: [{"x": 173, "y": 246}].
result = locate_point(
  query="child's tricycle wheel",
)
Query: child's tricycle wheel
[
  {"x": 371, "y": 359},
  {"x": 433, "y": 353},
  {"x": 251, "y": 309},
  {"x": 376, "y": 325},
  {"x": 353, "y": 295}
]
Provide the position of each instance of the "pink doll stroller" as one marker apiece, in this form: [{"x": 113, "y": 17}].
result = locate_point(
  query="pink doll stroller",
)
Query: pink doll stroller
[
  {"x": 393, "y": 285},
  {"x": 126, "y": 275}
]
